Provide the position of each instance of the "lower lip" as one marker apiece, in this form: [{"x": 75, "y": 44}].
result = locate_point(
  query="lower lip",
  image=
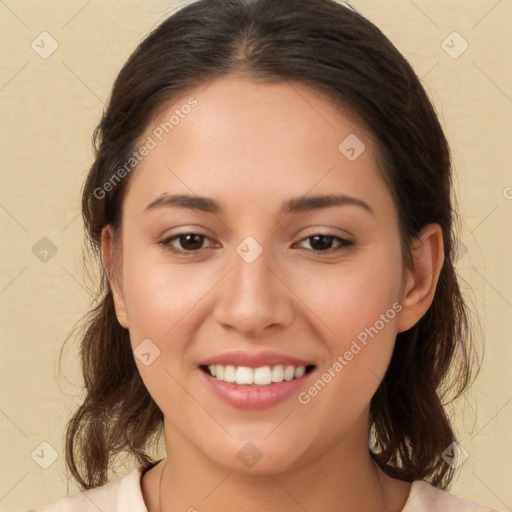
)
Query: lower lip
[{"x": 255, "y": 397}]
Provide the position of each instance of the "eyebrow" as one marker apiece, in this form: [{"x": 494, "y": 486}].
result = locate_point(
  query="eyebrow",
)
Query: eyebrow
[{"x": 294, "y": 205}]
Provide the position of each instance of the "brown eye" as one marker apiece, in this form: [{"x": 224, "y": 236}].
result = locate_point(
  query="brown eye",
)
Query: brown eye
[
  {"x": 191, "y": 241},
  {"x": 188, "y": 242},
  {"x": 323, "y": 243}
]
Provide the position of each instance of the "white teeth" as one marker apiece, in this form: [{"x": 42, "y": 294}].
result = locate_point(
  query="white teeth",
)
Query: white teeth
[
  {"x": 244, "y": 375},
  {"x": 300, "y": 371},
  {"x": 229, "y": 374},
  {"x": 289, "y": 373},
  {"x": 262, "y": 376},
  {"x": 278, "y": 373}
]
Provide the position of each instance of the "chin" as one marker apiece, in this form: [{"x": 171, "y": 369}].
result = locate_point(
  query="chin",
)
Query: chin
[{"x": 257, "y": 456}]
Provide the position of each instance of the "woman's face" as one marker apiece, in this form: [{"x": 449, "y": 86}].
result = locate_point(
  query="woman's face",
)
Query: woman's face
[{"x": 262, "y": 284}]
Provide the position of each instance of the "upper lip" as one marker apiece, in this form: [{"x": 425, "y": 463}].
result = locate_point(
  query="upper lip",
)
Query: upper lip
[{"x": 254, "y": 360}]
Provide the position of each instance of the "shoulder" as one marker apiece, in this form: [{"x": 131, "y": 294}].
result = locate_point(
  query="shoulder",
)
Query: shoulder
[
  {"x": 424, "y": 497},
  {"x": 123, "y": 494}
]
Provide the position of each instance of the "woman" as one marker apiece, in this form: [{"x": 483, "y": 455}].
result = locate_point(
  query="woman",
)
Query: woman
[{"x": 271, "y": 200}]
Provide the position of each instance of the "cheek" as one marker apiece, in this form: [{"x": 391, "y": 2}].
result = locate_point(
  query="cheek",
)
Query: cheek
[
  {"x": 360, "y": 308},
  {"x": 159, "y": 295},
  {"x": 352, "y": 296},
  {"x": 162, "y": 301},
  {"x": 363, "y": 317}
]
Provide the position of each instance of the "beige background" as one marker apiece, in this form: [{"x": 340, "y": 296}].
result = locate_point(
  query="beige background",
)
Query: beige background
[{"x": 49, "y": 108}]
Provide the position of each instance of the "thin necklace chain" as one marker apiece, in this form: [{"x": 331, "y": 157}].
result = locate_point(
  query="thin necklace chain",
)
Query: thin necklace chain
[{"x": 160, "y": 509}]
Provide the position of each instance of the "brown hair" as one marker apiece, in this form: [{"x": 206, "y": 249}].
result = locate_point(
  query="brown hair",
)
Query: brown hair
[{"x": 339, "y": 53}]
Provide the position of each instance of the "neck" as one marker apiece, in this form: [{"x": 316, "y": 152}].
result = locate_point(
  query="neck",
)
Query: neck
[{"x": 341, "y": 478}]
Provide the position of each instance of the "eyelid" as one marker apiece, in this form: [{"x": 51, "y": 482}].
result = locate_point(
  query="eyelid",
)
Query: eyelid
[{"x": 344, "y": 243}]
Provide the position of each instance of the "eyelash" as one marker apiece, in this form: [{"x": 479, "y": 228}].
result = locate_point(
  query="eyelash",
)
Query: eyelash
[{"x": 344, "y": 244}]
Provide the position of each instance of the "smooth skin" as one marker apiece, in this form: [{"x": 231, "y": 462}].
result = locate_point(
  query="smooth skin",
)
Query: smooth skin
[{"x": 252, "y": 146}]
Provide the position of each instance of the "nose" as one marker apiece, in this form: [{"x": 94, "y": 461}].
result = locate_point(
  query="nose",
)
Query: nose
[{"x": 253, "y": 299}]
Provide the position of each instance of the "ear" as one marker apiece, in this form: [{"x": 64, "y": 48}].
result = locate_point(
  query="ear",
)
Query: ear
[
  {"x": 420, "y": 285},
  {"x": 112, "y": 268}
]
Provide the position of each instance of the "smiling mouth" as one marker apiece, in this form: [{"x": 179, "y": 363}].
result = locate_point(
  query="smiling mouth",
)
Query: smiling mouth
[{"x": 261, "y": 376}]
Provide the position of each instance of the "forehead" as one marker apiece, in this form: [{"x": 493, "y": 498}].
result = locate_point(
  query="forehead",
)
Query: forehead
[{"x": 237, "y": 139}]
